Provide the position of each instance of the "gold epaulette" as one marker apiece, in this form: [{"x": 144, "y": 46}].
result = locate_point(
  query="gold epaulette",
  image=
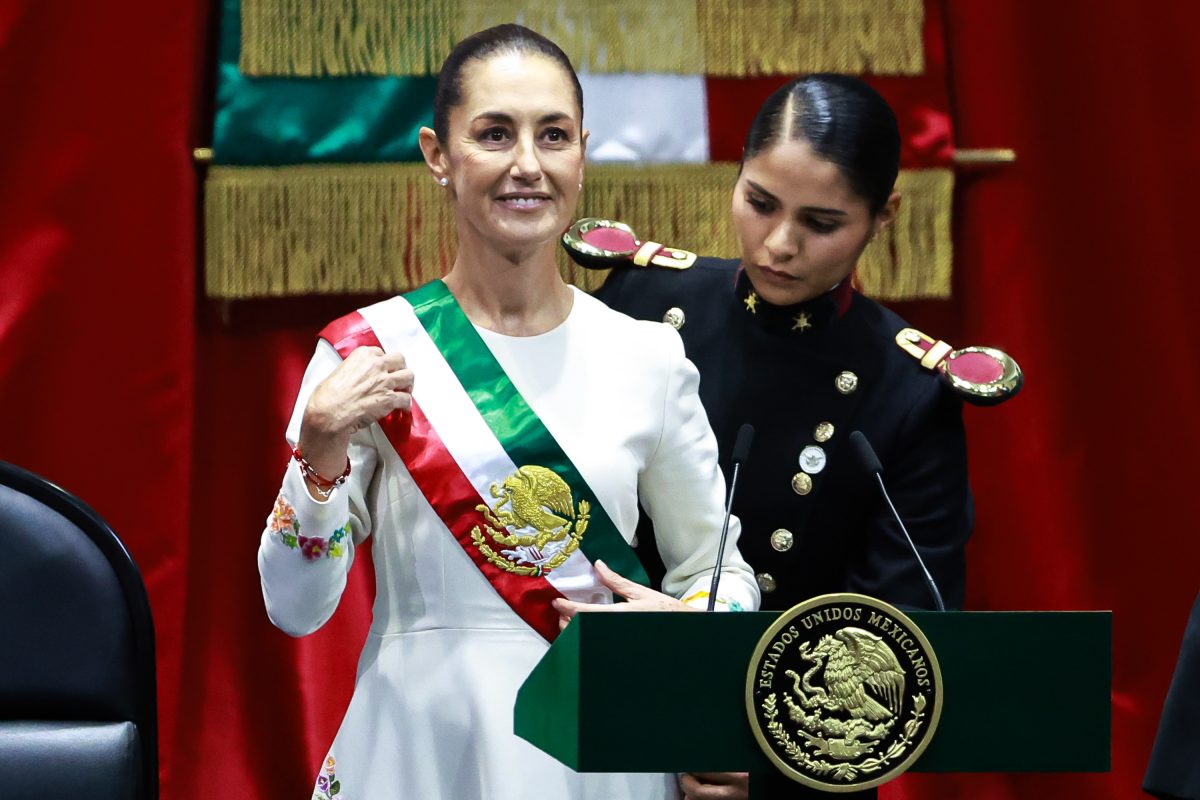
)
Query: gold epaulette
[
  {"x": 981, "y": 375},
  {"x": 604, "y": 243}
]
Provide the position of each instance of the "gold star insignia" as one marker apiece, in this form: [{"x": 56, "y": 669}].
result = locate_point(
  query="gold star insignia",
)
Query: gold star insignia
[
  {"x": 751, "y": 302},
  {"x": 802, "y": 322}
]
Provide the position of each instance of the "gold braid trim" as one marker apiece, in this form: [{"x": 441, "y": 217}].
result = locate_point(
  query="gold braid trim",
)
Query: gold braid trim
[
  {"x": 387, "y": 228},
  {"x": 315, "y": 38}
]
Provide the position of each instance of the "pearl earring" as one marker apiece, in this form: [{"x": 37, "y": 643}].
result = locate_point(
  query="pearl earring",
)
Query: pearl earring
[{"x": 444, "y": 181}]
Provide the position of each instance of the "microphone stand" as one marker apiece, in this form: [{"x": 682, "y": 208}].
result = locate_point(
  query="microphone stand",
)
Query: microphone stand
[{"x": 741, "y": 450}]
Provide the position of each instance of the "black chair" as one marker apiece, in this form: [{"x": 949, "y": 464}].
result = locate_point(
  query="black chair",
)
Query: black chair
[{"x": 78, "y": 714}]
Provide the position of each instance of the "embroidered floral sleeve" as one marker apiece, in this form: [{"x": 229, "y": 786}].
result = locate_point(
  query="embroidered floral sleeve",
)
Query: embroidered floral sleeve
[
  {"x": 307, "y": 544},
  {"x": 328, "y": 786},
  {"x": 285, "y": 524}
]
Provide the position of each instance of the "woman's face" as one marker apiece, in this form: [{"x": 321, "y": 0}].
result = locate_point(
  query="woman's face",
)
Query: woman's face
[
  {"x": 800, "y": 226},
  {"x": 514, "y": 151}
]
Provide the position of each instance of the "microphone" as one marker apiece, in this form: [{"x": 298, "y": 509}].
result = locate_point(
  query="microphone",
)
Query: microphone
[
  {"x": 741, "y": 452},
  {"x": 869, "y": 461}
]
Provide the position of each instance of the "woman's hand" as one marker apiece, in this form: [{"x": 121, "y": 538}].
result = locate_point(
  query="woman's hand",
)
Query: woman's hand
[
  {"x": 366, "y": 387},
  {"x": 715, "y": 785},
  {"x": 640, "y": 598}
]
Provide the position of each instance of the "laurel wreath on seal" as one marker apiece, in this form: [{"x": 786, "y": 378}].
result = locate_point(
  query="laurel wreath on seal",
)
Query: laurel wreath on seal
[{"x": 846, "y": 772}]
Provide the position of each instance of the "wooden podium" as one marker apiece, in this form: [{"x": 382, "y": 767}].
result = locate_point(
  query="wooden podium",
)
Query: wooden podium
[{"x": 665, "y": 692}]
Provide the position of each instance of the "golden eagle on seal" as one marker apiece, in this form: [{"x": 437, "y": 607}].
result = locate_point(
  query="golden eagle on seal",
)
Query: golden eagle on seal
[{"x": 854, "y": 659}]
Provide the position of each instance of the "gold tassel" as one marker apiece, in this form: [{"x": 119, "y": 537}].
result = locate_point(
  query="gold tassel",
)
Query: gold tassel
[
  {"x": 767, "y": 37},
  {"x": 912, "y": 258},
  {"x": 319, "y": 38},
  {"x": 387, "y": 228},
  {"x": 603, "y": 35},
  {"x": 316, "y": 38},
  {"x": 324, "y": 229}
]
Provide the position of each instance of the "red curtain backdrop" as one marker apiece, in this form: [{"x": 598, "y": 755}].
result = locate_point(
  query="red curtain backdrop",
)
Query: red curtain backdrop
[
  {"x": 165, "y": 411},
  {"x": 97, "y": 278}
]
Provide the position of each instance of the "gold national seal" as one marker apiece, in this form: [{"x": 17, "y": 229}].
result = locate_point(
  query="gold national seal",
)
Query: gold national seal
[{"x": 843, "y": 692}]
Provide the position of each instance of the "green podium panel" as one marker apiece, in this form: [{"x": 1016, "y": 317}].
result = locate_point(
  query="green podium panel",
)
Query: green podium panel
[{"x": 665, "y": 692}]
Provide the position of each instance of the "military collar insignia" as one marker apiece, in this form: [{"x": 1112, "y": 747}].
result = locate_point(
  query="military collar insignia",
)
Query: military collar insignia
[{"x": 794, "y": 320}]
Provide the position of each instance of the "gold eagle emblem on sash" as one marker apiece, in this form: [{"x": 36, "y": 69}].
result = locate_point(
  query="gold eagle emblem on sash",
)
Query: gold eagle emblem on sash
[{"x": 541, "y": 526}]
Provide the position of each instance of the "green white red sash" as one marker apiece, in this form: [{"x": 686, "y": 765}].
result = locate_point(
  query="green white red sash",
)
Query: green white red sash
[{"x": 480, "y": 455}]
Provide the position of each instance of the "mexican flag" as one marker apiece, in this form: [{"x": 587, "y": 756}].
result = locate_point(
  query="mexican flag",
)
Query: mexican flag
[{"x": 317, "y": 184}]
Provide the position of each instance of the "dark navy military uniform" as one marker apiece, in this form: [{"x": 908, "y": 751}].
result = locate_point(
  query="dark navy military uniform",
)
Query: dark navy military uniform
[
  {"x": 1174, "y": 772},
  {"x": 805, "y": 376}
]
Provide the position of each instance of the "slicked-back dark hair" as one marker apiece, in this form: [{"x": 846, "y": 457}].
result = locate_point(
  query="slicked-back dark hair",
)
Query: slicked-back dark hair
[
  {"x": 509, "y": 37},
  {"x": 844, "y": 121}
]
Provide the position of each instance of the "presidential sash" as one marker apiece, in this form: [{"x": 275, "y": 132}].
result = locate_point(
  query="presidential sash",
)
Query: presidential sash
[{"x": 489, "y": 467}]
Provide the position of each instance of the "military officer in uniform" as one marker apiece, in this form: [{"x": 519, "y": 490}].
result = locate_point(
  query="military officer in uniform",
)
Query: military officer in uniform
[
  {"x": 805, "y": 375},
  {"x": 782, "y": 341}
]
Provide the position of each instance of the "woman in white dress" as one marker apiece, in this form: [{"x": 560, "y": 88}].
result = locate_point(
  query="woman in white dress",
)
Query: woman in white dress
[{"x": 493, "y": 432}]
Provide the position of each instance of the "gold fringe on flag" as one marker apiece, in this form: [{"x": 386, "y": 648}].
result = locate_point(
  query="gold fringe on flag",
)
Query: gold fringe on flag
[
  {"x": 768, "y": 37},
  {"x": 317, "y": 38},
  {"x": 387, "y": 228},
  {"x": 912, "y": 258},
  {"x": 324, "y": 229},
  {"x": 603, "y": 35}
]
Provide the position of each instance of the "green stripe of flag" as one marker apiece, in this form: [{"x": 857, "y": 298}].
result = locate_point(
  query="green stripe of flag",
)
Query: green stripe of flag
[{"x": 279, "y": 121}]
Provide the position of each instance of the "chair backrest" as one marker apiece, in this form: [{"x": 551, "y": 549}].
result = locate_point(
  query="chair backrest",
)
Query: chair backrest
[{"x": 78, "y": 714}]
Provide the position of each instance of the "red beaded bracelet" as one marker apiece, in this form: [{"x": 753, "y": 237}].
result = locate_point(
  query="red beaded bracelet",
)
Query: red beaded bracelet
[{"x": 323, "y": 485}]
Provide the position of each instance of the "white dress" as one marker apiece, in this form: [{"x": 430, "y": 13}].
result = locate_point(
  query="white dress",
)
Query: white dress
[{"x": 431, "y": 716}]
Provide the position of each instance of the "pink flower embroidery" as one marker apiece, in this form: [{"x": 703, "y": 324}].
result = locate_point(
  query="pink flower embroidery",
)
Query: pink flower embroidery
[{"x": 313, "y": 548}]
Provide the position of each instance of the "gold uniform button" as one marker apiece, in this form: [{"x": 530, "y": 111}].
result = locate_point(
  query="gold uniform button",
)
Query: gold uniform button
[
  {"x": 782, "y": 540},
  {"x": 674, "y": 317},
  {"x": 823, "y": 432},
  {"x": 801, "y": 483},
  {"x": 846, "y": 382},
  {"x": 766, "y": 582}
]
